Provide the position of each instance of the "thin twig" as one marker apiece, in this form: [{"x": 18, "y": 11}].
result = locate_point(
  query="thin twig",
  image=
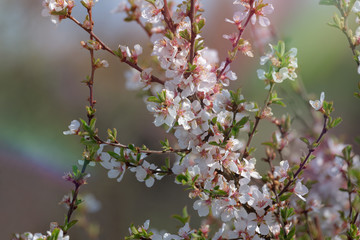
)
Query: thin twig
[
  {"x": 108, "y": 49},
  {"x": 311, "y": 150},
  {"x": 90, "y": 84},
  {"x": 257, "y": 120},
  {"x": 241, "y": 31},
  {"x": 147, "y": 151},
  {"x": 167, "y": 18},
  {"x": 193, "y": 34}
]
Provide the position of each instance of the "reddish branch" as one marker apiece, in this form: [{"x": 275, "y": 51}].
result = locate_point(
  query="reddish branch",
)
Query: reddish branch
[
  {"x": 193, "y": 34},
  {"x": 311, "y": 150},
  {"x": 147, "y": 151},
  {"x": 241, "y": 31},
  {"x": 167, "y": 17},
  {"x": 90, "y": 84},
  {"x": 108, "y": 49}
]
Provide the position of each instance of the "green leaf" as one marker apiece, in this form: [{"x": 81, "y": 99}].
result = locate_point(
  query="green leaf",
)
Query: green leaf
[
  {"x": 191, "y": 67},
  {"x": 336, "y": 122},
  {"x": 281, "y": 48},
  {"x": 84, "y": 4},
  {"x": 305, "y": 140},
  {"x": 196, "y": 29},
  {"x": 357, "y": 140},
  {"x": 291, "y": 234},
  {"x": 69, "y": 225},
  {"x": 133, "y": 229},
  {"x": 185, "y": 34},
  {"x": 328, "y": 2},
  {"x": 153, "y": 99},
  {"x": 279, "y": 102},
  {"x": 185, "y": 218},
  {"x": 182, "y": 179},
  {"x": 285, "y": 196},
  {"x": 151, "y": 1},
  {"x": 201, "y": 23},
  {"x": 355, "y": 173},
  {"x": 347, "y": 152},
  {"x": 130, "y": 18},
  {"x": 165, "y": 144},
  {"x": 114, "y": 155},
  {"x": 199, "y": 44},
  {"x": 55, "y": 234}
]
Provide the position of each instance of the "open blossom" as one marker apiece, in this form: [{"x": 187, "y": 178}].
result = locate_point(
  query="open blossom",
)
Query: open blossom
[
  {"x": 227, "y": 74},
  {"x": 137, "y": 51},
  {"x": 202, "y": 206},
  {"x": 145, "y": 78},
  {"x": 356, "y": 7},
  {"x": 89, "y": 3},
  {"x": 238, "y": 17},
  {"x": 134, "y": 80},
  {"x": 300, "y": 190},
  {"x": 260, "y": 14},
  {"x": 248, "y": 171},
  {"x": 281, "y": 75},
  {"x": 145, "y": 173},
  {"x": 262, "y": 9},
  {"x": 259, "y": 201},
  {"x": 152, "y": 12},
  {"x": 166, "y": 111},
  {"x": 281, "y": 171},
  {"x": 318, "y": 104},
  {"x": 39, "y": 236},
  {"x": 55, "y": 5},
  {"x": 52, "y": 8},
  {"x": 73, "y": 128}
]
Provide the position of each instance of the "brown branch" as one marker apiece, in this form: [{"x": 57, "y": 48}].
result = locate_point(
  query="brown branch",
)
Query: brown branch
[
  {"x": 241, "y": 31},
  {"x": 147, "y": 151},
  {"x": 143, "y": 27},
  {"x": 167, "y": 18},
  {"x": 90, "y": 84},
  {"x": 193, "y": 34},
  {"x": 108, "y": 49},
  {"x": 345, "y": 30},
  {"x": 311, "y": 150}
]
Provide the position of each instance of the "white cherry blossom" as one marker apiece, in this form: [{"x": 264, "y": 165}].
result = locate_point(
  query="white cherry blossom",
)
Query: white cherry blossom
[
  {"x": 73, "y": 128},
  {"x": 318, "y": 104},
  {"x": 281, "y": 171}
]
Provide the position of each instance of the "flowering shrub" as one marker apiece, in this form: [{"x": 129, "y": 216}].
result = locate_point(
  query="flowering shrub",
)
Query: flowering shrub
[{"x": 302, "y": 196}]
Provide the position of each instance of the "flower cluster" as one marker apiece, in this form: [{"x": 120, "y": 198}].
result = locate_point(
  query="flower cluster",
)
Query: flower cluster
[
  {"x": 213, "y": 128},
  {"x": 57, "y": 9},
  {"x": 54, "y": 233},
  {"x": 282, "y": 65}
]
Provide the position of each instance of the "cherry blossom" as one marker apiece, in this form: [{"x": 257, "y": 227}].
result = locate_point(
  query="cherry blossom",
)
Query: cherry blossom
[
  {"x": 152, "y": 12},
  {"x": 300, "y": 190},
  {"x": 89, "y": 3},
  {"x": 281, "y": 171},
  {"x": 318, "y": 104},
  {"x": 73, "y": 128},
  {"x": 55, "y": 9}
]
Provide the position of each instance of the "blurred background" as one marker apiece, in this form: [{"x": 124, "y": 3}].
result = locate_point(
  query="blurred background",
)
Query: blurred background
[{"x": 41, "y": 69}]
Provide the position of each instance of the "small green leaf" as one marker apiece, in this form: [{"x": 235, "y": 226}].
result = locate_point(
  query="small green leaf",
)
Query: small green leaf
[
  {"x": 285, "y": 196},
  {"x": 201, "y": 23},
  {"x": 153, "y": 99},
  {"x": 328, "y": 2},
  {"x": 185, "y": 34},
  {"x": 291, "y": 234},
  {"x": 305, "y": 140}
]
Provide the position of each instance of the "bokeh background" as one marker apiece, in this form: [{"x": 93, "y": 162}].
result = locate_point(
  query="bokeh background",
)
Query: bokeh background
[{"x": 41, "y": 69}]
